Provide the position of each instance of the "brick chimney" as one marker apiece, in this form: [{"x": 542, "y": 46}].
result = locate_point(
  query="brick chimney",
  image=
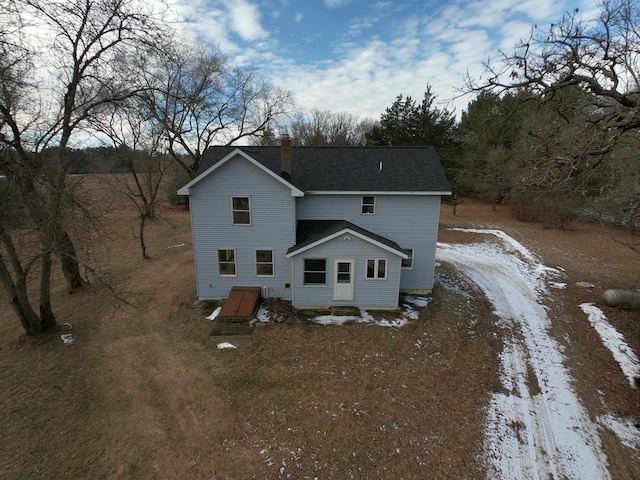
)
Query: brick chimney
[{"x": 285, "y": 156}]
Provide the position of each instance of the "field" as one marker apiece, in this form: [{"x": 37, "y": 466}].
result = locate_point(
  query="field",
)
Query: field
[{"x": 143, "y": 392}]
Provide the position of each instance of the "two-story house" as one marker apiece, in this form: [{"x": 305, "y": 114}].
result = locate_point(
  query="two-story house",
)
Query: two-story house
[{"x": 320, "y": 226}]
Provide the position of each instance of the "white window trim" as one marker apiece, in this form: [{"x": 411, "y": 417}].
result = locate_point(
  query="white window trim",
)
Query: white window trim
[
  {"x": 375, "y": 268},
  {"x": 233, "y": 211},
  {"x": 413, "y": 252},
  {"x": 235, "y": 263},
  {"x": 326, "y": 273},
  {"x": 362, "y": 205},
  {"x": 272, "y": 263}
]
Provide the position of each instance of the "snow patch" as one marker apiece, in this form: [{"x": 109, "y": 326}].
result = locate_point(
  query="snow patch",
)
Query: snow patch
[
  {"x": 214, "y": 314},
  {"x": 410, "y": 313},
  {"x": 223, "y": 345},
  {"x": 67, "y": 338},
  {"x": 512, "y": 242},
  {"x": 558, "y": 285},
  {"x": 614, "y": 341},
  {"x": 625, "y": 430},
  {"x": 420, "y": 302},
  {"x": 547, "y": 434},
  {"x": 364, "y": 317}
]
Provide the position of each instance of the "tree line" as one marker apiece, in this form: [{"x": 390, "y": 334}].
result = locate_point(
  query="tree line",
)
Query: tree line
[{"x": 553, "y": 130}]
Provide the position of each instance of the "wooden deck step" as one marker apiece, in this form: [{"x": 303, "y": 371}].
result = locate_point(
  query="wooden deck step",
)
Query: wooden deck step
[{"x": 241, "y": 304}]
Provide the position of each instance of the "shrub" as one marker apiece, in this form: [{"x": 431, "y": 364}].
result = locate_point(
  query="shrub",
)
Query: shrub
[{"x": 553, "y": 213}]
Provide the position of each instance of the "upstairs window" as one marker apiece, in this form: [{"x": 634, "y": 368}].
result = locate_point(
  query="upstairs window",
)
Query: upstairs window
[
  {"x": 264, "y": 263},
  {"x": 368, "y": 205},
  {"x": 377, "y": 269},
  {"x": 315, "y": 271},
  {"x": 241, "y": 210},
  {"x": 407, "y": 264}
]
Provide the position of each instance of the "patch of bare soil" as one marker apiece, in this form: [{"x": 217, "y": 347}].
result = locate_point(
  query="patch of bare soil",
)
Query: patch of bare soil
[{"x": 144, "y": 392}]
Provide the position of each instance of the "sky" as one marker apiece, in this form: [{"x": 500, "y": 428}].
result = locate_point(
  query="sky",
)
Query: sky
[{"x": 358, "y": 55}]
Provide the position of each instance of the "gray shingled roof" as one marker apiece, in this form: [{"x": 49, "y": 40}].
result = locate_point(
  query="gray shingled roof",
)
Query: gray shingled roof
[
  {"x": 356, "y": 169},
  {"x": 311, "y": 231}
]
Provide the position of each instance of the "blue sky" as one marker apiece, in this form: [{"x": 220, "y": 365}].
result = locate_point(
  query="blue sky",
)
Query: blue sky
[{"x": 358, "y": 55}]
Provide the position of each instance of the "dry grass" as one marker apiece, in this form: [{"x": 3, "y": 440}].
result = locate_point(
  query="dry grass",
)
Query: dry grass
[{"x": 144, "y": 393}]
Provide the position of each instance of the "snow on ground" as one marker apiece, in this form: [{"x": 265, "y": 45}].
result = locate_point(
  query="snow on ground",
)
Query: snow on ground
[
  {"x": 614, "y": 341},
  {"x": 364, "y": 317},
  {"x": 417, "y": 301},
  {"x": 223, "y": 345},
  {"x": 214, "y": 314},
  {"x": 624, "y": 429},
  {"x": 536, "y": 428}
]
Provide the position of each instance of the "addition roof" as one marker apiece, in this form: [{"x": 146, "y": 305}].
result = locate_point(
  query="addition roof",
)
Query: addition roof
[
  {"x": 310, "y": 233},
  {"x": 349, "y": 169}
]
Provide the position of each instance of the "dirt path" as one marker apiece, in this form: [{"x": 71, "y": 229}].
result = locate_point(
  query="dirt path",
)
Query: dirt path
[{"x": 538, "y": 427}]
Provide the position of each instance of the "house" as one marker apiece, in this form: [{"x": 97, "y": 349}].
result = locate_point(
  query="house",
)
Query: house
[{"x": 320, "y": 226}]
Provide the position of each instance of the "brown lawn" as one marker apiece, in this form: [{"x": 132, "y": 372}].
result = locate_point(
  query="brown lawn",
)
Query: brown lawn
[{"x": 144, "y": 392}]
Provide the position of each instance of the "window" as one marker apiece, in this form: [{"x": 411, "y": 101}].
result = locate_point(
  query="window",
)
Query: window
[
  {"x": 377, "y": 269},
  {"x": 227, "y": 262},
  {"x": 241, "y": 210},
  {"x": 408, "y": 263},
  {"x": 368, "y": 204},
  {"x": 315, "y": 271},
  {"x": 264, "y": 263}
]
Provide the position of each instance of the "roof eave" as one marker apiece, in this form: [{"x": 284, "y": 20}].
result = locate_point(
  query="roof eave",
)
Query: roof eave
[
  {"x": 347, "y": 230},
  {"x": 377, "y": 192},
  {"x": 186, "y": 189}
]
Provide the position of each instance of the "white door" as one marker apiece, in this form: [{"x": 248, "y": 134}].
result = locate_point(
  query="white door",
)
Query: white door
[{"x": 343, "y": 280}]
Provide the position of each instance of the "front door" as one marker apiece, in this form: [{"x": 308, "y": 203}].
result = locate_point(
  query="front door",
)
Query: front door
[{"x": 343, "y": 280}]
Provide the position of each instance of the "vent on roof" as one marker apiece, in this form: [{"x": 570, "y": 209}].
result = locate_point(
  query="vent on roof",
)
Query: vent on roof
[{"x": 380, "y": 166}]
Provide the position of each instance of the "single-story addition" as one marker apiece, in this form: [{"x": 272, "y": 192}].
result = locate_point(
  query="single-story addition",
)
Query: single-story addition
[{"x": 320, "y": 226}]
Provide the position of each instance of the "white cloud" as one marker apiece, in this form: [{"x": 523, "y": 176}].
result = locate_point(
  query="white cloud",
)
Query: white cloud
[
  {"x": 206, "y": 22},
  {"x": 245, "y": 20},
  {"x": 512, "y": 33},
  {"x": 336, "y": 3},
  {"x": 359, "y": 25},
  {"x": 373, "y": 64}
]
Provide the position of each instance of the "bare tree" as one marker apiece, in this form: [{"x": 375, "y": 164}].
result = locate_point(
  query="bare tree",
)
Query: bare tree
[
  {"x": 587, "y": 72},
  {"x": 601, "y": 56},
  {"x": 199, "y": 99},
  {"x": 56, "y": 73},
  {"x": 138, "y": 146},
  {"x": 319, "y": 128}
]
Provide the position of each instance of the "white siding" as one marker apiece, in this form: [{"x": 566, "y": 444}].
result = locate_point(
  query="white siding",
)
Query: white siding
[
  {"x": 367, "y": 293},
  {"x": 410, "y": 221},
  {"x": 272, "y": 228}
]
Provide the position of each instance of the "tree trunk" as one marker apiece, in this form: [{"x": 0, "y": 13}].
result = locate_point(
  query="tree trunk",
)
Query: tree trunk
[
  {"x": 17, "y": 293},
  {"x": 142, "y": 245},
  {"x": 47, "y": 319},
  {"x": 68, "y": 260}
]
